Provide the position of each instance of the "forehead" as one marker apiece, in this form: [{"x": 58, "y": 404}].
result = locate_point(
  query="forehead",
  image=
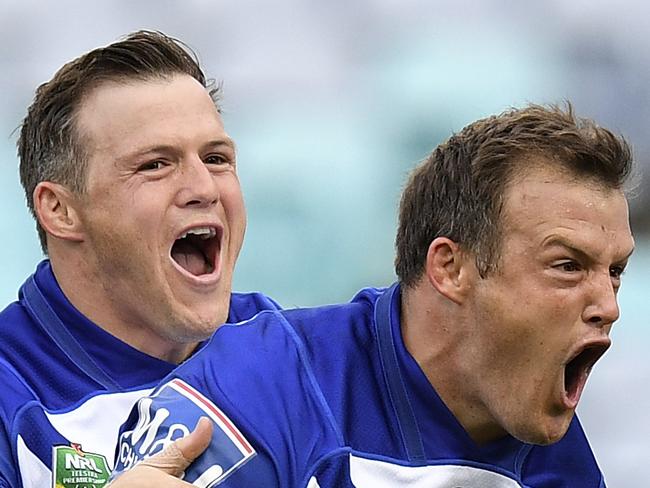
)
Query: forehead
[
  {"x": 122, "y": 116},
  {"x": 547, "y": 202}
]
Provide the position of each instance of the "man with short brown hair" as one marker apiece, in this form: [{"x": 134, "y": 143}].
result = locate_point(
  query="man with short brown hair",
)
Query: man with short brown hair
[
  {"x": 512, "y": 239},
  {"x": 133, "y": 182}
]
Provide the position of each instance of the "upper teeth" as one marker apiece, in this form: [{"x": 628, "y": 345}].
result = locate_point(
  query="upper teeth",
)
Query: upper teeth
[{"x": 202, "y": 232}]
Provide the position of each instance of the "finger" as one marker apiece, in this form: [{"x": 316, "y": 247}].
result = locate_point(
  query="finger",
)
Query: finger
[
  {"x": 180, "y": 454},
  {"x": 198, "y": 441}
]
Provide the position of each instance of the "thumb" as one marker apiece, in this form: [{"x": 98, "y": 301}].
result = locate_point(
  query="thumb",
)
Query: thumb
[
  {"x": 199, "y": 439},
  {"x": 181, "y": 453}
]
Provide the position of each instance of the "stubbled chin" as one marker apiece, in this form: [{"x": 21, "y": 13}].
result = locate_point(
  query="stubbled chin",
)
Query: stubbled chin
[
  {"x": 538, "y": 427},
  {"x": 196, "y": 332},
  {"x": 196, "y": 314},
  {"x": 553, "y": 432},
  {"x": 196, "y": 321}
]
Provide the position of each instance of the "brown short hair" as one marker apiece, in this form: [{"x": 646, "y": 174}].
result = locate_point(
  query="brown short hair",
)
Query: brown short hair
[
  {"x": 49, "y": 145},
  {"x": 457, "y": 191}
]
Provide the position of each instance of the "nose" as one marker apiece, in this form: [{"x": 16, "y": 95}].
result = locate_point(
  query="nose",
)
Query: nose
[
  {"x": 198, "y": 185},
  {"x": 603, "y": 308}
]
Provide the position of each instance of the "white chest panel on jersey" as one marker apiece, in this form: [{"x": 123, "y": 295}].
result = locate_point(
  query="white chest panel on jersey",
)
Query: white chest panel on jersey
[
  {"x": 94, "y": 424},
  {"x": 313, "y": 483},
  {"x": 33, "y": 472}
]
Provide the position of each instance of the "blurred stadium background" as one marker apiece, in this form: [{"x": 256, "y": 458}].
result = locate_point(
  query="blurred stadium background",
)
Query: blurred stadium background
[{"x": 331, "y": 103}]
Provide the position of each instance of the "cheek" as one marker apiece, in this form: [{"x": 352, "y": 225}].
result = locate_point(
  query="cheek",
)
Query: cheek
[
  {"x": 528, "y": 340},
  {"x": 230, "y": 191},
  {"x": 126, "y": 233},
  {"x": 120, "y": 251},
  {"x": 234, "y": 209},
  {"x": 233, "y": 202},
  {"x": 515, "y": 328}
]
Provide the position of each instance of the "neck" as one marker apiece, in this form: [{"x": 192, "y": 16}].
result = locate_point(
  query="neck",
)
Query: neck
[
  {"x": 435, "y": 334},
  {"x": 85, "y": 292}
]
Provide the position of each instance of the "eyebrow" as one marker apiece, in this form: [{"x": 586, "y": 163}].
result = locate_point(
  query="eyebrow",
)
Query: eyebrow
[
  {"x": 561, "y": 241},
  {"x": 227, "y": 141},
  {"x": 171, "y": 149}
]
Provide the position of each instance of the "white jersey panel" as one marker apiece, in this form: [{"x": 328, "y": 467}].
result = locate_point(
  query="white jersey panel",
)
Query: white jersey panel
[
  {"x": 33, "y": 472},
  {"x": 95, "y": 423},
  {"x": 372, "y": 473},
  {"x": 313, "y": 483}
]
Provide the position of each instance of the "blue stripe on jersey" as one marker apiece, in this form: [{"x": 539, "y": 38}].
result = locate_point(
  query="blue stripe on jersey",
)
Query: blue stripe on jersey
[{"x": 407, "y": 422}]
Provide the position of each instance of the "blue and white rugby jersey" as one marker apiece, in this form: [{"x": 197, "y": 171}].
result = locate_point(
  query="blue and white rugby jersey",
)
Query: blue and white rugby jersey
[
  {"x": 67, "y": 385},
  {"x": 329, "y": 397}
]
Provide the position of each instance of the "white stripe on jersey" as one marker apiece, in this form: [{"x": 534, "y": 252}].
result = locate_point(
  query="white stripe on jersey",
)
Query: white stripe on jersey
[
  {"x": 33, "y": 472},
  {"x": 313, "y": 483},
  {"x": 371, "y": 473},
  {"x": 95, "y": 423}
]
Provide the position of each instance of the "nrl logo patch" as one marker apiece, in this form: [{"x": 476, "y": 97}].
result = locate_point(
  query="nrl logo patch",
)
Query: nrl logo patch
[{"x": 74, "y": 468}]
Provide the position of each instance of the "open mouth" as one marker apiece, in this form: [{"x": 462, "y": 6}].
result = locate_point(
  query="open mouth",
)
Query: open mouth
[
  {"x": 577, "y": 370},
  {"x": 196, "y": 250}
]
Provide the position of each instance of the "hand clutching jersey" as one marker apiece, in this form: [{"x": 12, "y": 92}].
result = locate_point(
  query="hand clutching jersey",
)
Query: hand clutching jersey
[
  {"x": 67, "y": 385},
  {"x": 329, "y": 397}
]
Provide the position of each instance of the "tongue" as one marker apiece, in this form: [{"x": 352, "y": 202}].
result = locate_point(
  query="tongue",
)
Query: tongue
[{"x": 189, "y": 257}]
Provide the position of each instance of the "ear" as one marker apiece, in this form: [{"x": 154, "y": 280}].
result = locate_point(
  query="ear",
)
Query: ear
[
  {"x": 447, "y": 269},
  {"x": 56, "y": 209}
]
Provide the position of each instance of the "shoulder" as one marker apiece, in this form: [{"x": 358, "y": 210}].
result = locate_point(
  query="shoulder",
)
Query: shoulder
[
  {"x": 15, "y": 396},
  {"x": 337, "y": 340},
  {"x": 345, "y": 320},
  {"x": 12, "y": 319},
  {"x": 16, "y": 393},
  {"x": 244, "y": 306},
  {"x": 298, "y": 336},
  {"x": 21, "y": 340},
  {"x": 242, "y": 358},
  {"x": 277, "y": 346},
  {"x": 19, "y": 353},
  {"x": 32, "y": 358}
]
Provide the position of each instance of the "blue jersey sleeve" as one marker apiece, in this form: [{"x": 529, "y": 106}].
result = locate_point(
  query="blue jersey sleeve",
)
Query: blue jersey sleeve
[
  {"x": 244, "y": 306},
  {"x": 568, "y": 463},
  {"x": 271, "y": 425}
]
